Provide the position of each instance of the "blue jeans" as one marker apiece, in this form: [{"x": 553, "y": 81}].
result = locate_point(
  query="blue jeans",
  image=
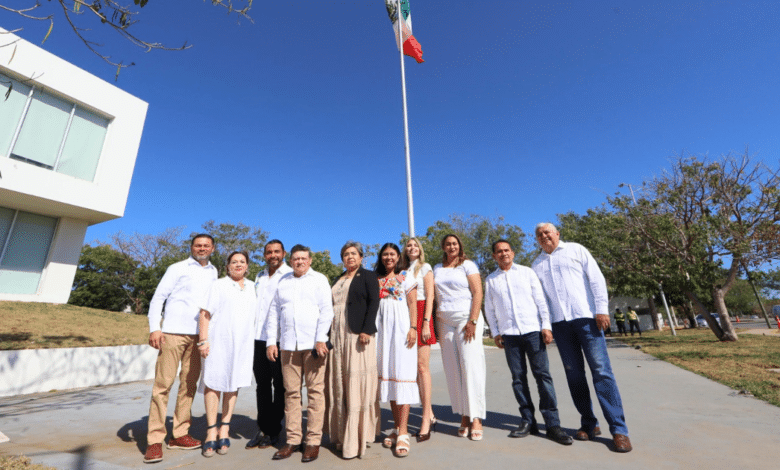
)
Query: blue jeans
[
  {"x": 516, "y": 349},
  {"x": 574, "y": 338}
]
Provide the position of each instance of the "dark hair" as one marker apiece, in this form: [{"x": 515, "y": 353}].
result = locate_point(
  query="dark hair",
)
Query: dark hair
[
  {"x": 298, "y": 248},
  {"x": 202, "y": 235},
  {"x": 242, "y": 253},
  {"x": 493, "y": 246},
  {"x": 461, "y": 254},
  {"x": 273, "y": 242},
  {"x": 379, "y": 267},
  {"x": 352, "y": 244}
]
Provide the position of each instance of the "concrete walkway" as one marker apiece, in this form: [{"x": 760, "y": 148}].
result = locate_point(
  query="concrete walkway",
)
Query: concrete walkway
[{"x": 676, "y": 420}]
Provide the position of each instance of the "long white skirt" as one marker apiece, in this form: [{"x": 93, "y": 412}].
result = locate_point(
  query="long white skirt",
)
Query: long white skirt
[{"x": 397, "y": 364}]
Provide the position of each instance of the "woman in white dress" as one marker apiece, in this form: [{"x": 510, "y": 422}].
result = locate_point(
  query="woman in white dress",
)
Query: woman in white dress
[
  {"x": 227, "y": 345},
  {"x": 458, "y": 319},
  {"x": 413, "y": 261},
  {"x": 396, "y": 325}
]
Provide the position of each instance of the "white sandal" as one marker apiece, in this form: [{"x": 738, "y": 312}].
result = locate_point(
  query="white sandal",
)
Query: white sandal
[
  {"x": 402, "y": 447},
  {"x": 463, "y": 431},
  {"x": 391, "y": 438}
]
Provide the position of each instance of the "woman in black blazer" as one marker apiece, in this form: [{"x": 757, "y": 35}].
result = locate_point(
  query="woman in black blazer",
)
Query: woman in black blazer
[{"x": 351, "y": 376}]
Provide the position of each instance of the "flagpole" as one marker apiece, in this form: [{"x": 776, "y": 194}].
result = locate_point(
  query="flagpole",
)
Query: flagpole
[{"x": 409, "y": 202}]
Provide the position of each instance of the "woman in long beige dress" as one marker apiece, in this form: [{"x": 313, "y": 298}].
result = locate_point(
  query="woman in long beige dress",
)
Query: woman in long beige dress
[{"x": 351, "y": 378}]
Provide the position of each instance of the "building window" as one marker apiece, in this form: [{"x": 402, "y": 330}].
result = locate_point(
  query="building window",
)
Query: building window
[
  {"x": 41, "y": 129},
  {"x": 25, "y": 239}
]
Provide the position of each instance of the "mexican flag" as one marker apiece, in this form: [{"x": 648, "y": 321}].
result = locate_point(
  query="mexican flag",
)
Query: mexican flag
[{"x": 411, "y": 47}]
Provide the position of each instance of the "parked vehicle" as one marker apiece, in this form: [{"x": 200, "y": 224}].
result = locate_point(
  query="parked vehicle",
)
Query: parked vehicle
[{"x": 702, "y": 322}]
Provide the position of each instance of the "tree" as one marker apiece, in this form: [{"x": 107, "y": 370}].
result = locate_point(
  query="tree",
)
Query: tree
[
  {"x": 768, "y": 282},
  {"x": 99, "y": 281},
  {"x": 145, "y": 258},
  {"x": 709, "y": 216},
  {"x": 128, "y": 270},
  {"x": 82, "y": 16},
  {"x": 629, "y": 265},
  {"x": 477, "y": 234},
  {"x": 235, "y": 237},
  {"x": 623, "y": 259},
  {"x": 320, "y": 262},
  {"x": 741, "y": 299}
]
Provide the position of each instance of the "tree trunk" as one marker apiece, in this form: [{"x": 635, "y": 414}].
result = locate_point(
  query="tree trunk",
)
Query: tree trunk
[
  {"x": 654, "y": 313},
  {"x": 702, "y": 310},
  {"x": 691, "y": 314},
  {"x": 718, "y": 296}
]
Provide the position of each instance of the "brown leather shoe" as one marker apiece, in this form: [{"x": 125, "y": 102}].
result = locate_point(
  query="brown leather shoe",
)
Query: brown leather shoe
[
  {"x": 286, "y": 451},
  {"x": 153, "y": 453},
  {"x": 622, "y": 443},
  {"x": 312, "y": 452},
  {"x": 185, "y": 442},
  {"x": 584, "y": 435}
]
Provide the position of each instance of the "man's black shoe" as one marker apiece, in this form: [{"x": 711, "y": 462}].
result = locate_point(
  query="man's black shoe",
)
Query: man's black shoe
[
  {"x": 558, "y": 435},
  {"x": 255, "y": 441},
  {"x": 522, "y": 430},
  {"x": 268, "y": 441}
]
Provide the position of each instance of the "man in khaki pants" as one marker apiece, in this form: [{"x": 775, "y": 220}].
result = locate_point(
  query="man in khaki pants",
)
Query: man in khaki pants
[
  {"x": 303, "y": 310},
  {"x": 181, "y": 290}
]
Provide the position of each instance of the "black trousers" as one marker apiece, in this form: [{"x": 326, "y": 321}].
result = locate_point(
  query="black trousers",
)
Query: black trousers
[{"x": 270, "y": 391}]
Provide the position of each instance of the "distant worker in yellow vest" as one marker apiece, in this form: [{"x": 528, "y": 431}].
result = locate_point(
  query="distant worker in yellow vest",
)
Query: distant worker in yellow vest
[
  {"x": 620, "y": 321},
  {"x": 633, "y": 321}
]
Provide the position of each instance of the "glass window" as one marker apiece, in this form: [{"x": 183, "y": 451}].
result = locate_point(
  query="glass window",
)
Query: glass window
[
  {"x": 6, "y": 218},
  {"x": 83, "y": 145},
  {"x": 42, "y": 131},
  {"x": 45, "y": 126},
  {"x": 26, "y": 249},
  {"x": 48, "y": 122},
  {"x": 10, "y": 110}
]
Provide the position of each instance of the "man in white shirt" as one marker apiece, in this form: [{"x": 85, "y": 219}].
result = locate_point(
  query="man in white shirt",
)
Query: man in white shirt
[
  {"x": 576, "y": 293},
  {"x": 181, "y": 290},
  {"x": 268, "y": 375},
  {"x": 301, "y": 312},
  {"x": 520, "y": 322}
]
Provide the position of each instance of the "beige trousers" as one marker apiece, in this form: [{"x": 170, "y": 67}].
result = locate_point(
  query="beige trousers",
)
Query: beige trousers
[
  {"x": 295, "y": 366},
  {"x": 175, "y": 349}
]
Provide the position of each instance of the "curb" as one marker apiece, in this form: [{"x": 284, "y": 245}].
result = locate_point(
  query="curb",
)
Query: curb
[{"x": 42, "y": 370}]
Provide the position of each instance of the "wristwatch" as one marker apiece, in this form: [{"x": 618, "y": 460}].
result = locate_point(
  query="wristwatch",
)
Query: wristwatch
[{"x": 473, "y": 322}]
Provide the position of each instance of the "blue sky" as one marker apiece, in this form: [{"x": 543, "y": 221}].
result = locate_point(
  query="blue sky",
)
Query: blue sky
[{"x": 521, "y": 109}]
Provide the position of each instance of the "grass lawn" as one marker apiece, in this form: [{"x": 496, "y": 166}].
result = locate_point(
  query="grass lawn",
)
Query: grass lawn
[
  {"x": 32, "y": 325},
  {"x": 742, "y": 365},
  {"x": 20, "y": 462}
]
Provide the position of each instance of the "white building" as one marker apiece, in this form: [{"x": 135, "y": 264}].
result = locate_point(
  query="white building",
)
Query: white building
[{"x": 68, "y": 144}]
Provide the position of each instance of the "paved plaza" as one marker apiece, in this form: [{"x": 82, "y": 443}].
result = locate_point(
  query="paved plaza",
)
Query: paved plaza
[{"x": 676, "y": 419}]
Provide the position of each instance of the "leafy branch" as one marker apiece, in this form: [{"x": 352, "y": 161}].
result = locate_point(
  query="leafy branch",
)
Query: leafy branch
[{"x": 114, "y": 15}]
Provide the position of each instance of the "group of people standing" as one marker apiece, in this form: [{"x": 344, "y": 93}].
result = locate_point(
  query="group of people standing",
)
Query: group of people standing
[
  {"x": 633, "y": 321},
  {"x": 367, "y": 340}
]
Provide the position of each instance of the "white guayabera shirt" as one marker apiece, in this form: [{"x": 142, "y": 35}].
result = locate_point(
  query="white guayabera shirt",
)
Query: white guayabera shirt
[
  {"x": 302, "y": 310},
  {"x": 265, "y": 287},
  {"x": 572, "y": 282},
  {"x": 514, "y": 302},
  {"x": 182, "y": 289}
]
